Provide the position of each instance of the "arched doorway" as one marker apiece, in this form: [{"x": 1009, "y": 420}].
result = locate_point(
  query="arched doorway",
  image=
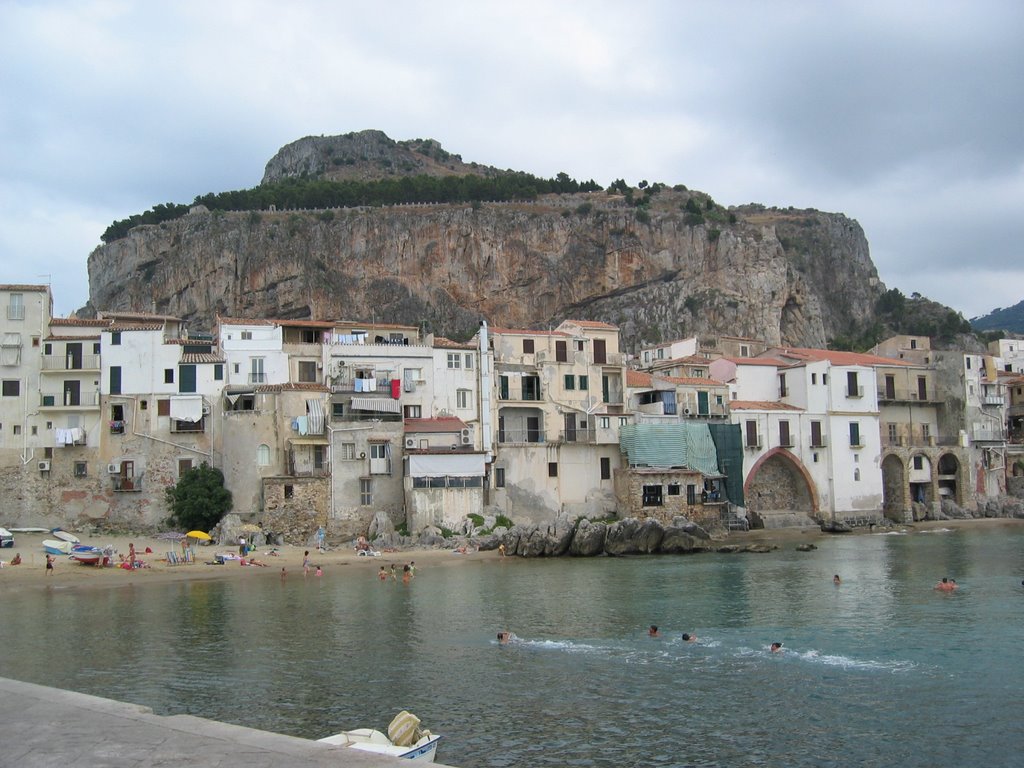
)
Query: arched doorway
[
  {"x": 779, "y": 487},
  {"x": 921, "y": 488},
  {"x": 949, "y": 477},
  {"x": 895, "y": 498}
]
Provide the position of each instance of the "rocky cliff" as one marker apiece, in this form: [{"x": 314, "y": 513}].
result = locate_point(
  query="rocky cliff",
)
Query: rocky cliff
[{"x": 660, "y": 271}]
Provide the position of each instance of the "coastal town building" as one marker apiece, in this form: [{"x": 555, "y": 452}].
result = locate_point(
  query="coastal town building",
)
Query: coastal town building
[{"x": 335, "y": 423}]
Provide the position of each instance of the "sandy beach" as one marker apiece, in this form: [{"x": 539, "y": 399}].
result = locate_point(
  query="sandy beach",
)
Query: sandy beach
[
  {"x": 68, "y": 574},
  {"x": 31, "y": 574}
]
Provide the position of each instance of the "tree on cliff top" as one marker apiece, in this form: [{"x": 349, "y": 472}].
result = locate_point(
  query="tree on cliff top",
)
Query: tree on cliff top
[{"x": 199, "y": 499}]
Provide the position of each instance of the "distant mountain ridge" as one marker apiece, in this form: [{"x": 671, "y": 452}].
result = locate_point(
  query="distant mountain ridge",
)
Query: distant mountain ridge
[{"x": 1010, "y": 319}]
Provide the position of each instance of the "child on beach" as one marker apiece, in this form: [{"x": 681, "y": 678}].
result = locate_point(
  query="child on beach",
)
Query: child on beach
[{"x": 49, "y": 564}]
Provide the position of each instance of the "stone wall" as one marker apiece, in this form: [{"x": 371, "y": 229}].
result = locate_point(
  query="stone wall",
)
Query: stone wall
[{"x": 294, "y": 507}]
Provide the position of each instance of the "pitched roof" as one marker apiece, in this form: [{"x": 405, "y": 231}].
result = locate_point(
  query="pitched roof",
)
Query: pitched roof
[
  {"x": 761, "y": 405},
  {"x": 766, "y": 361},
  {"x": 18, "y": 287},
  {"x": 200, "y": 358},
  {"x": 110, "y": 315},
  {"x": 521, "y": 332},
  {"x": 638, "y": 379},
  {"x": 597, "y": 325},
  {"x": 440, "y": 342},
  {"x": 837, "y": 357},
  {"x": 82, "y": 322}
]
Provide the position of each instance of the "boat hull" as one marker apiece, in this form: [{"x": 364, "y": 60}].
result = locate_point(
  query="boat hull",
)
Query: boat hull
[
  {"x": 369, "y": 740},
  {"x": 54, "y": 547}
]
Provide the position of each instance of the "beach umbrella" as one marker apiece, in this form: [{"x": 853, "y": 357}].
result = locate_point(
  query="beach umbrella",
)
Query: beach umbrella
[
  {"x": 203, "y": 536},
  {"x": 170, "y": 536}
]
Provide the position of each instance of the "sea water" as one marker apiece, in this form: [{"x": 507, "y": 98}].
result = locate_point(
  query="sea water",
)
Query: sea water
[{"x": 881, "y": 670}]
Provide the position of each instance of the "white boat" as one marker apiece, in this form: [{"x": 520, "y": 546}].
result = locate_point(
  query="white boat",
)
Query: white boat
[
  {"x": 65, "y": 536},
  {"x": 406, "y": 740},
  {"x": 54, "y": 547},
  {"x": 6, "y": 538},
  {"x": 87, "y": 555}
]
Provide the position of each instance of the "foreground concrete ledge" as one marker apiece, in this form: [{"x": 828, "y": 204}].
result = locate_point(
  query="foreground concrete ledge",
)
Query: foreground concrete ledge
[{"x": 42, "y": 726}]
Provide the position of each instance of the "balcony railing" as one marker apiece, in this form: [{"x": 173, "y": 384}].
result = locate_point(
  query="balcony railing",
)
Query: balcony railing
[
  {"x": 187, "y": 426},
  {"x": 126, "y": 484},
  {"x": 905, "y": 395},
  {"x": 582, "y": 436},
  {"x": 988, "y": 435},
  {"x": 996, "y": 400},
  {"x": 531, "y": 395},
  {"x": 65, "y": 363},
  {"x": 69, "y": 400},
  {"x": 257, "y": 378},
  {"x": 521, "y": 436}
]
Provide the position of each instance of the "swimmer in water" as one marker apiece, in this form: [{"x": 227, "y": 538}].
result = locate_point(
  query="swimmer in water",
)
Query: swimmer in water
[
  {"x": 504, "y": 637},
  {"x": 653, "y": 631},
  {"x": 687, "y": 637},
  {"x": 776, "y": 647},
  {"x": 946, "y": 585},
  {"x": 836, "y": 580}
]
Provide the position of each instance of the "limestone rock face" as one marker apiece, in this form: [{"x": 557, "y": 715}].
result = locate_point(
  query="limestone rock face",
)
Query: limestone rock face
[
  {"x": 632, "y": 536},
  {"x": 790, "y": 277},
  {"x": 589, "y": 539}
]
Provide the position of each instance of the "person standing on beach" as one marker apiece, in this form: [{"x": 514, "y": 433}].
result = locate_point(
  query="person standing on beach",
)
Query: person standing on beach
[
  {"x": 131, "y": 556},
  {"x": 382, "y": 574},
  {"x": 321, "y": 536},
  {"x": 305, "y": 563},
  {"x": 49, "y": 563},
  {"x": 412, "y": 569}
]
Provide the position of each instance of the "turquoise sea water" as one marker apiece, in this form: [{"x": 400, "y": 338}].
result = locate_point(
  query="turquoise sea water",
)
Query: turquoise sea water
[{"x": 882, "y": 670}]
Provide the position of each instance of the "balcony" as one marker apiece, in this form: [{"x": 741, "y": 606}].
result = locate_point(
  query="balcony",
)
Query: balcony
[
  {"x": 988, "y": 435},
  {"x": 257, "y": 377},
  {"x": 905, "y": 395},
  {"x": 67, "y": 363},
  {"x": 520, "y": 436},
  {"x": 996, "y": 400},
  {"x": 126, "y": 484},
  {"x": 855, "y": 392},
  {"x": 527, "y": 394},
  {"x": 581, "y": 436},
  {"x": 117, "y": 427},
  {"x": 69, "y": 400}
]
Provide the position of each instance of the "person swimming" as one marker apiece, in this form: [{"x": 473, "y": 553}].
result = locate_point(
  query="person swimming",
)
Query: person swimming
[
  {"x": 653, "y": 631},
  {"x": 687, "y": 637},
  {"x": 505, "y": 637},
  {"x": 836, "y": 580},
  {"x": 946, "y": 585},
  {"x": 776, "y": 647}
]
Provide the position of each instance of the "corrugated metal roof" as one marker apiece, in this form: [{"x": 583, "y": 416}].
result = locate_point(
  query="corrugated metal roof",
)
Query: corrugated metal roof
[{"x": 670, "y": 445}]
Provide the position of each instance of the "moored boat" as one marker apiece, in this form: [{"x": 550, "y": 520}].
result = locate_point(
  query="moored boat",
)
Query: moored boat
[
  {"x": 87, "y": 555},
  {"x": 404, "y": 739},
  {"x": 65, "y": 536},
  {"x": 56, "y": 547}
]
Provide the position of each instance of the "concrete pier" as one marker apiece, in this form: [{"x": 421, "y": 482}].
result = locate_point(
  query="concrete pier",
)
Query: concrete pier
[{"x": 42, "y": 727}]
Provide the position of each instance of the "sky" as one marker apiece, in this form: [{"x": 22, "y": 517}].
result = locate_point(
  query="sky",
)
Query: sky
[{"x": 906, "y": 116}]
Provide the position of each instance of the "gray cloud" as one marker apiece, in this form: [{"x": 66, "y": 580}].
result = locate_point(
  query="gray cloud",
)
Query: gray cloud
[{"x": 907, "y": 118}]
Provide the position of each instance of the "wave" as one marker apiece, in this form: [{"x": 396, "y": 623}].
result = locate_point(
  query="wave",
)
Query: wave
[
  {"x": 832, "y": 660},
  {"x": 938, "y": 530}
]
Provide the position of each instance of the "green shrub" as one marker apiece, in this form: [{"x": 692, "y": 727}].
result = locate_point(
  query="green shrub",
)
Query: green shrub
[
  {"x": 476, "y": 519},
  {"x": 713, "y": 235},
  {"x": 643, "y": 216},
  {"x": 503, "y": 522},
  {"x": 693, "y": 219},
  {"x": 584, "y": 208},
  {"x": 326, "y": 216}
]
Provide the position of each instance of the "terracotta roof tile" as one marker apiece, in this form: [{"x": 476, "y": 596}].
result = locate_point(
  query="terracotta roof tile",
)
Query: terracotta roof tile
[
  {"x": 597, "y": 325},
  {"x": 200, "y": 358},
  {"x": 18, "y": 287},
  {"x": 638, "y": 379},
  {"x": 837, "y": 357},
  {"x": 761, "y": 405},
  {"x": 80, "y": 322}
]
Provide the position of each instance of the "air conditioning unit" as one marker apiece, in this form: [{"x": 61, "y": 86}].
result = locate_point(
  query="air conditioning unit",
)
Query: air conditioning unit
[
  {"x": 687, "y": 411},
  {"x": 319, "y": 365},
  {"x": 44, "y": 466},
  {"x": 113, "y": 469},
  {"x": 466, "y": 439},
  {"x": 455, "y": 446},
  {"x": 362, "y": 454},
  {"x": 465, "y": 434},
  {"x": 410, "y": 442},
  {"x": 206, "y": 409}
]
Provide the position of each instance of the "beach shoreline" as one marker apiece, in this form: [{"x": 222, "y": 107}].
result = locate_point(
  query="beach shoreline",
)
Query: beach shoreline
[{"x": 31, "y": 574}]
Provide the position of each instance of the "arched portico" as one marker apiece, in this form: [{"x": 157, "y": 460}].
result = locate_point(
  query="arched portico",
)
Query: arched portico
[
  {"x": 779, "y": 483},
  {"x": 895, "y": 489}
]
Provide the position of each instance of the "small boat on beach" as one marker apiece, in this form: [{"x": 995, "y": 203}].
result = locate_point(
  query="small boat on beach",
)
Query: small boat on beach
[
  {"x": 57, "y": 547},
  {"x": 6, "y": 538},
  {"x": 404, "y": 739},
  {"x": 65, "y": 536},
  {"x": 87, "y": 555}
]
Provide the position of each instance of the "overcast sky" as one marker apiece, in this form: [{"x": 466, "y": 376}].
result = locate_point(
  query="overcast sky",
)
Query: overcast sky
[{"x": 907, "y": 116}]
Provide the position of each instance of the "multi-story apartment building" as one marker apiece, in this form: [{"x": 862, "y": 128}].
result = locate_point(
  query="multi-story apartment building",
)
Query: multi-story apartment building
[{"x": 559, "y": 402}]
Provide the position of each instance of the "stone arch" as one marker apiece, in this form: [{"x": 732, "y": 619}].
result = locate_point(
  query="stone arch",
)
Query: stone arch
[
  {"x": 779, "y": 482},
  {"x": 949, "y": 478},
  {"x": 921, "y": 478},
  {"x": 895, "y": 490}
]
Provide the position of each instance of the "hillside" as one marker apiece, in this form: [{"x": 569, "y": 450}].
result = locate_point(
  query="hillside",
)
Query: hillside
[
  {"x": 1010, "y": 319},
  {"x": 660, "y": 262}
]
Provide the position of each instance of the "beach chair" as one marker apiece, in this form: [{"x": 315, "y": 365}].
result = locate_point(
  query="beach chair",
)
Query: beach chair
[
  {"x": 190, "y": 555},
  {"x": 173, "y": 559}
]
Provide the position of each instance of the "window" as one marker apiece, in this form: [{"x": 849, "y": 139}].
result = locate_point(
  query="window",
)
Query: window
[
  {"x": 246, "y": 335},
  {"x": 926, "y": 432},
  {"x": 814, "y": 378},
  {"x": 143, "y": 405},
  {"x": 184, "y": 465},
  {"x": 652, "y": 496},
  {"x": 751, "y": 432},
  {"x": 552, "y": 469},
  {"x": 893, "y": 434},
  {"x": 115, "y": 379},
  {"x": 852, "y": 390},
  {"x": 462, "y": 398},
  {"x": 47, "y": 453},
  {"x": 744, "y": 350},
  {"x": 163, "y": 407},
  {"x": 605, "y": 422},
  {"x": 348, "y": 451},
  {"x": 35, "y": 430},
  {"x": 365, "y": 492},
  {"x": 454, "y": 360},
  {"x": 115, "y": 338},
  {"x": 218, "y": 372},
  {"x": 674, "y": 489},
  {"x": 469, "y": 362},
  {"x": 968, "y": 361},
  {"x": 412, "y": 412},
  {"x": 17, "y": 429},
  {"x": 561, "y": 352},
  {"x": 584, "y": 383},
  {"x": 11, "y": 388},
  {"x": 600, "y": 353},
  {"x": 855, "y": 435},
  {"x": 570, "y": 381},
  {"x": 16, "y": 307},
  {"x": 783, "y": 392},
  {"x": 289, "y": 491},
  {"x": 307, "y": 371},
  {"x": 527, "y": 346},
  {"x": 606, "y": 468},
  {"x": 691, "y": 494},
  {"x": 913, "y": 344},
  {"x": 499, "y": 477},
  {"x": 623, "y": 421},
  {"x": 579, "y": 345},
  {"x": 816, "y": 440},
  {"x": 824, "y": 379},
  {"x": 235, "y": 368},
  {"x": 81, "y": 469},
  {"x": 168, "y": 375},
  {"x": 784, "y": 438},
  {"x": 95, "y": 347},
  {"x": 187, "y": 378},
  {"x": 256, "y": 374},
  {"x": 918, "y": 462},
  {"x": 856, "y": 475},
  {"x": 263, "y": 455}
]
